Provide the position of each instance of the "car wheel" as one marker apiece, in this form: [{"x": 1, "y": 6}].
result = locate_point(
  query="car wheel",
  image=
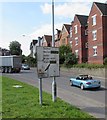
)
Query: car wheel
[
  {"x": 71, "y": 83},
  {"x": 82, "y": 87}
]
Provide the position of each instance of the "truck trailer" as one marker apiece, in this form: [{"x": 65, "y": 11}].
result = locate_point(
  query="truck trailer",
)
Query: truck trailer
[{"x": 9, "y": 64}]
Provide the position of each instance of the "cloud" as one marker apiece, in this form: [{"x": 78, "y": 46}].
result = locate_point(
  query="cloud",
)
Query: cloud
[
  {"x": 69, "y": 9},
  {"x": 45, "y": 30}
]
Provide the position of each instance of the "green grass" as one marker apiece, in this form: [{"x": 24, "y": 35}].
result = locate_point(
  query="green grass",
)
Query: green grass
[{"x": 24, "y": 103}]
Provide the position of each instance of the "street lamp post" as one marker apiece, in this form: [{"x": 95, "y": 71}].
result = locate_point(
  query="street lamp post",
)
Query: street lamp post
[{"x": 54, "y": 85}]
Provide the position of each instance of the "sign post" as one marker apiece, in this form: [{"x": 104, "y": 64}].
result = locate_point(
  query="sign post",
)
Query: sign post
[
  {"x": 40, "y": 91},
  {"x": 47, "y": 66}
]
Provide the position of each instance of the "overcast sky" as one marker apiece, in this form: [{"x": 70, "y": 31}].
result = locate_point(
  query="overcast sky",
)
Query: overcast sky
[{"x": 33, "y": 18}]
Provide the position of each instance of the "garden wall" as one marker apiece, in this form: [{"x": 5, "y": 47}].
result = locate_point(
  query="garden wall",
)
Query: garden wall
[{"x": 99, "y": 72}]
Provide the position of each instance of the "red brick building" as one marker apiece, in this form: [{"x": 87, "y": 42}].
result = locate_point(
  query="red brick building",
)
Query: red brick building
[
  {"x": 64, "y": 34},
  {"x": 78, "y": 36},
  {"x": 97, "y": 33},
  {"x": 47, "y": 40},
  {"x": 57, "y": 38}
]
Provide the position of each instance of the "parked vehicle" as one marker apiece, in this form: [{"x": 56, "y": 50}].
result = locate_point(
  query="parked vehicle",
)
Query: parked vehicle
[
  {"x": 9, "y": 64},
  {"x": 25, "y": 67},
  {"x": 85, "y": 81}
]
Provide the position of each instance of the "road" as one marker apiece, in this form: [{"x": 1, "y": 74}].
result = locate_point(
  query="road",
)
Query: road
[{"x": 91, "y": 101}]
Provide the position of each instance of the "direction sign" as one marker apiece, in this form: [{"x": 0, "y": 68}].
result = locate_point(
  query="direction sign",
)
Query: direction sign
[{"x": 47, "y": 61}]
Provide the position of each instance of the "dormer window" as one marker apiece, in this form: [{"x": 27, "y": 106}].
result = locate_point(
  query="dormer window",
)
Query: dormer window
[{"x": 94, "y": 20}]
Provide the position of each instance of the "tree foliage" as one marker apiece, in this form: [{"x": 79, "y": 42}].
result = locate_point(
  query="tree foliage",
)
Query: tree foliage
[
  {"x": 63, "y": 51},
  {"x": 66, "y": 56},
  {"x": 70, "y": 59},
  {"x": 15, "y": 48}
]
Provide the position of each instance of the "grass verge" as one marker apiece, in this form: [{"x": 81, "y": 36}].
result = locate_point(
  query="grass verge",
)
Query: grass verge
[{"x": 23, "y": 103}]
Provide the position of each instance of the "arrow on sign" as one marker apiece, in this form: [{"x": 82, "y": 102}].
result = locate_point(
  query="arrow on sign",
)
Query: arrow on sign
[{"x": 47, "y": 67}]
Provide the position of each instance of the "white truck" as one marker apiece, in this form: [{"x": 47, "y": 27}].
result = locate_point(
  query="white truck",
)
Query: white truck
[{"x": 9, "y": 64}]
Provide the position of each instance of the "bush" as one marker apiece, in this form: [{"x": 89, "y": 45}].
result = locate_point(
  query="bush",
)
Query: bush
[
  {"x": 70, "y": 59},
  {"x": 85, "y": 65},
  {"x": 63, "y": 51}
]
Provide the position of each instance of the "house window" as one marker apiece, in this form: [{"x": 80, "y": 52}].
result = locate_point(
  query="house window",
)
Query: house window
[
  {"x": 70, "y": 32},
  {"x": 86, "y": 32},
  {"x": 75, "y": 29},
  {"x": 70, "y": 42},
  {"x": 76, "y": 41},
  {"x": 76, "y": 53},
  {"x": 94, "y": 20},
  {"x": 94, "y": 50},
  {"x": 94, "y": 34}
]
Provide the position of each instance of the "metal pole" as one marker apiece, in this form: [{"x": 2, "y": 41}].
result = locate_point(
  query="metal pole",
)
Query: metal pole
[
  {"x": 40, "y": 91},
  {"x": 54, "y": 85},
  {"x": 53, "y": 38}
]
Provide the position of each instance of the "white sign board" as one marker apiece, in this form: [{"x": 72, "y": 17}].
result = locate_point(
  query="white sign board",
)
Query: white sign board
[{"x": 47, "y": 62}]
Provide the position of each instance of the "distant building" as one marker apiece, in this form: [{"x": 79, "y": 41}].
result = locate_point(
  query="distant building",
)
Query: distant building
[
  {"x": 47, "y": 40},
  {"x": 57, "y": 38},
  {"x": 33, "y": 48},
  {"x": 4, "y": 52},
  {"x": 64, "y": 35},
  {"x": 78, "y": 37}
]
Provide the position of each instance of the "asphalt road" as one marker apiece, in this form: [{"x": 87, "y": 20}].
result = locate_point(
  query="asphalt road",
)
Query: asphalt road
[{"x": 91, "y": 101}]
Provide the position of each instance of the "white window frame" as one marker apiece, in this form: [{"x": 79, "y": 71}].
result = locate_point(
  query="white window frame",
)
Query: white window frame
[
  {"x": 94, "y": 34},
  {"x": 76, "y": 41},
  {"x": 70, "y": 42},
  {"x": 75, "y": 29},
  {"x": 94, "y": 20},
  {"x": 95, "y": 50},
  {"x": 77, "y": 53}
]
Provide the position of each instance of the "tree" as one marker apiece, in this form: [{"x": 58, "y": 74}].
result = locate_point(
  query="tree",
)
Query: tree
[
  {"x": 70, "y": 59},
  {"x": 63, "y": 51},
  {"x": 15, "y": 48}
]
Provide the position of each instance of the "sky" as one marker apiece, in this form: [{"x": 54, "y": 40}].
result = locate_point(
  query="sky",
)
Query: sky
[{"x": 25, "y": 20}]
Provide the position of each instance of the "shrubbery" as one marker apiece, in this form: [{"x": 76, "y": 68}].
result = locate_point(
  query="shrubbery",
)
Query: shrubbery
[
  {"x": 66, "y": 56},
  {"x": 86, "y": 65},
  {"x": 70, "y": 59}
]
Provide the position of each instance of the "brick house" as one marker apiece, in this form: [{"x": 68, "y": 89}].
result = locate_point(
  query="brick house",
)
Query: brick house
[
  {"x": 64, "y": 34},
  {"x": 97, "y": 33},
  {"x": 57, "y": 38},
  {"x": 78, "y": 37},
  {"x": 47, "y": 40}
]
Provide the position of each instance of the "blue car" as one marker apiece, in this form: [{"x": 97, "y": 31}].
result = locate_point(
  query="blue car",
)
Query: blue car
[{"x": 85, "y": 81}]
